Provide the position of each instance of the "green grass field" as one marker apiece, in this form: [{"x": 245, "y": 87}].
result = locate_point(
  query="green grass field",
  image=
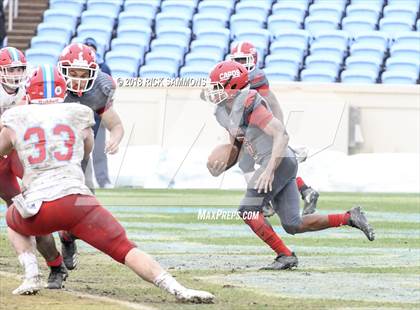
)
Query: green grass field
[{"x": 338, "y": 268}]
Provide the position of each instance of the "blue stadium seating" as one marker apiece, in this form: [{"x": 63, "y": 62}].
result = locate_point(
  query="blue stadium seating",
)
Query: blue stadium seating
[
  {"x": 111, "y": 7},
  {"x": 403, "y": 64},
  {"x": 334, "y": 38},
  {"x": 305, "y": 3},
  {"x": 356, "y": 24},
  {"x": 95, "y": 18},
  {"x": 372, "y": 37},
  {"x": 296, "y": 11},
  {"x": 136, "y": 33},
  {"x": 131, "y": 61},
  {"x": 156, "y": 70},
  {"x": 124, "y": 44},
  {"x": 316, "y": 24},
  {"x": 171, "y": 20},
  {"x": 259, "y": 37},
  {"x": 168, "y": 46},
  {"x": 253, "y": 8},
  {"x": 73, "y": 7},
  {"x": 367, "y": 50},
  {"x": 361, "y": 63},
  {"x": 277, "y": 23},
  {"x": 395, "y": 25},
  {"x": 222, "y": 9},
  {"x": 182, "y": 7},
  {"x": 51, "y": 44},
  {"x": 280, "y": 61},
  {"x": 328, "y": 11},
  {"x": 214, "y": 35},
  {"x": 102, "y": 34},
  {"x": 55, "y": 30},
  {"x": 406, "y": 13},
  {"x": 405, "y": 3},
  {"x": 194, "y": 72},
  {"x": 213, "y": 48},
  {"x": 163, "y": 58},
  {"x": 280, "y": 74},
  {"x": 38, "y": 56},
  {"x": 287, "y": 49},
  {"x": 61, "y": 16},
  {"x": 136, "y": 19},
  {"x": 201, "y": 59},
  {"x": 208, "y": 21},
  {"x": 407, "y": 50},
  {"x": 372, "y": 3},
  {"x": 358, "y": 77},
  {"x": 318, "y": 75},
  {"x": 399, "y": 77},
  {"x": 295, "y": 36},
  {"x": 181, "y": 35},
  {"x": 143, "y": 7},
  {"x": 242, "y": 22},
  {"x": 365, "y": 11},
  {"x": 319, "y": 61}
]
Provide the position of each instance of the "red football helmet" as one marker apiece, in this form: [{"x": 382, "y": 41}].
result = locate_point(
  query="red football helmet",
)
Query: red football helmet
[
  {"x": 79, "y": 57},
  {"x": 12, "y": 67},
  {"x": 227, "y": 79},
  {"x": 244, "y": 53},
  {"x": 46, "y": 85}
]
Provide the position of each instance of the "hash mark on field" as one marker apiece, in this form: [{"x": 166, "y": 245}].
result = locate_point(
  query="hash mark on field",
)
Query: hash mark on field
[{"x": 129, "y": 305}]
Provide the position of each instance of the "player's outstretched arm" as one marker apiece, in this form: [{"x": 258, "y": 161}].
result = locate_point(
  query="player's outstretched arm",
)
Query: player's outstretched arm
[
  {"x": 6, "y": 141},
  {"x": 113, "y": 123},
  {"x": 274, "y": 105}
]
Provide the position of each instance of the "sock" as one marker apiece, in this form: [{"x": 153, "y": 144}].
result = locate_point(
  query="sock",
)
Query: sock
[
  {"x": 56, "y": 262},
  {"x": 30, "y": 264},
  {"x": 168, "y": 283},
  {"x": 301, "y": 184},
  {"x": 65, "y": 236},
  {"x": 337, "y": 220},
  {"x": 266, "y": 233}
]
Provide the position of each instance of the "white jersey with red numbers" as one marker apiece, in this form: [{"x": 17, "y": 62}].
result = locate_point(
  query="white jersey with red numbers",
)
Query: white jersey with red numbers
[
  {"x": 49, "y": 143},
  {"x": 9, "y": 100}
]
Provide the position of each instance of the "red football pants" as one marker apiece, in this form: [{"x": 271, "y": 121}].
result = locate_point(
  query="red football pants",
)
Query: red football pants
[
  {"x": 10, "y": 168},
  {"x": 81, "y": 215}
]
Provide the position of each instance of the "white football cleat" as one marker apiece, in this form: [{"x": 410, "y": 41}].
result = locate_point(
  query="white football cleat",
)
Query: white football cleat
[
  {"x": 194, "y": 296},
  {"x": 30, "y": 286}
]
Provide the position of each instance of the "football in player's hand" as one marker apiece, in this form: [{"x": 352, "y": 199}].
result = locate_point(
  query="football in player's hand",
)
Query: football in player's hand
[{"x": 221, "y": 158}]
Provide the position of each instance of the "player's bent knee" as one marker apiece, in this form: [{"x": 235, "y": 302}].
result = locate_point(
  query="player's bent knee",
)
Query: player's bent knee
[
  {"x": 291, "y": 229},
  {"x": 121, "y": 248}
]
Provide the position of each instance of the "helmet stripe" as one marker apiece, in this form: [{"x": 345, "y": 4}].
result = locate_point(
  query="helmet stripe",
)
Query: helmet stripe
[
  {"x": 240, "y": 47},
  {"x": 46, "y": 74},
  {"x": 13, "y": 53},
  {"x": 52, "y": 81}
]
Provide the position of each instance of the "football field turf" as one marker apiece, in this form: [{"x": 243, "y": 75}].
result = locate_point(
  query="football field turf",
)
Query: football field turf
[{"x": 338, "y": 268}]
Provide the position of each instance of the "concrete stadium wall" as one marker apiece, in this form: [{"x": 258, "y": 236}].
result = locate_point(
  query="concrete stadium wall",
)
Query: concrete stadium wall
[{"x": 319, "y": 116}]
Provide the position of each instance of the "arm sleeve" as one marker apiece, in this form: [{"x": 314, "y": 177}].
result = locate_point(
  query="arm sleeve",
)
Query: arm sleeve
[
  {"x": 109, "y": 91},
  {"x": 260, "y": 116}
]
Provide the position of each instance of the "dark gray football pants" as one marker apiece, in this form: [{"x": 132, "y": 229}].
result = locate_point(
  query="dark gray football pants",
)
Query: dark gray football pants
[{"x": 284, "y": 196}]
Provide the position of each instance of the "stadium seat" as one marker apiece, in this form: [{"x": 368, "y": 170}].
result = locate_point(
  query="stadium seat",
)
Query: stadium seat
[
  {"x": 97, "y": 19},
  {"x": 340, "y": 3},
  {"x": 122, "y": 71},
  {"x": 181, "y": 35},
  {"x": 394, "y": 25},
  {"x": 409, "y": 38},
  {"x": 336, "y": 38},
  {"x": 135, "y": 19},
  {"x": 355, "y": 24},
  {"x": 136, "y": 33},
  {"x": 252, "y": 9},
  {"x": 163, "y": 58},
  {"x": 170, "y": 20},
  {"x": 181, "y": 7},
  {"x": 316, "y": 24},
  {"x": 407, "y": 13},
  {"x": 125, "y": 60},
  {"x": 305, "y": 3},
  {"x": 276, "y": 23},
  {"x": 36, "y": 57},
  {"x": 358, "y": 77},
  {"x": 372, "y": 3},
  {"x": 328, "y": 50},
  {"x": 143, "y": 7},
  {"x": 197, "y": 59},
  {"x": 220, "y": 8},
  {"x": 263, "y": 3},
  {"x": 404, "y": 3},
  {"x": 168, "y": 46},
  {"x": 399, "y": 77},
  {"x": 206, "y": 21},
  {"x": 152, "y": 71},
  {"x": 124, "y": 44},
  {"x": 280, "y": 61},
  {"x": 280, "y": 74},
  {"x": 318, "y": 75},
  {"x": 372, "y": 37},
  {"x": 102, "y": 34},
  {"x": 361, "y": 63},
  {"x": 287, "y": 49},
  {"x": 244, "y": 22},
  {"x": 72, "y": 7},
  {"x": 296, "y": 11},
  {"x": 297, "y": 36},
  {"x": 328, "y": 11},
  {"x": 195, "y": 72},
  {"x": 367, "y": 50},
  {"x": 60, "y": 16},
  {"x": 403, "y": 64},
  {"x": 104, "y": 6},
  {"x": 214, "y": 35},
  {"x": 259, "y": 37},
  {"x": 47, "y": 43},
  {"x": 407, "y": 50},
  {"x": 418, "y": 25},
  {"x": 55, "y": 30},
  {"x": 213, "y": 48},
  {"x": 365, "y": 11},
  {"x": 319, "y": 61},
  {"x": 101, "y": 47}
]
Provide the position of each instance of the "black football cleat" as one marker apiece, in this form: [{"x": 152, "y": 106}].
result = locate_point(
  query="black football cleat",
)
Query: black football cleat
[
  {"x": 282, "y": 262},
  {"x": 57, "y": 277},
  {"x": 69, "y": 250},
  {"x": 310, "y": 199},
  {"x": 358, "y": 220}
]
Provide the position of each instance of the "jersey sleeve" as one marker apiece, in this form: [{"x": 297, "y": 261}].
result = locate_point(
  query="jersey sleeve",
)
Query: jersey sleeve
[
  {"x": 108, "y": 88},
  {"x": 11, "y": 118},
  {"x": 258, "y": 115},
  {"x": 83, "y": 116},
  {"x": 260, "y": 83}
]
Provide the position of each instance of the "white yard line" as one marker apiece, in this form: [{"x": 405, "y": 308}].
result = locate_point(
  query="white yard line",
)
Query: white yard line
[{"x": 129, "y": 305}]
